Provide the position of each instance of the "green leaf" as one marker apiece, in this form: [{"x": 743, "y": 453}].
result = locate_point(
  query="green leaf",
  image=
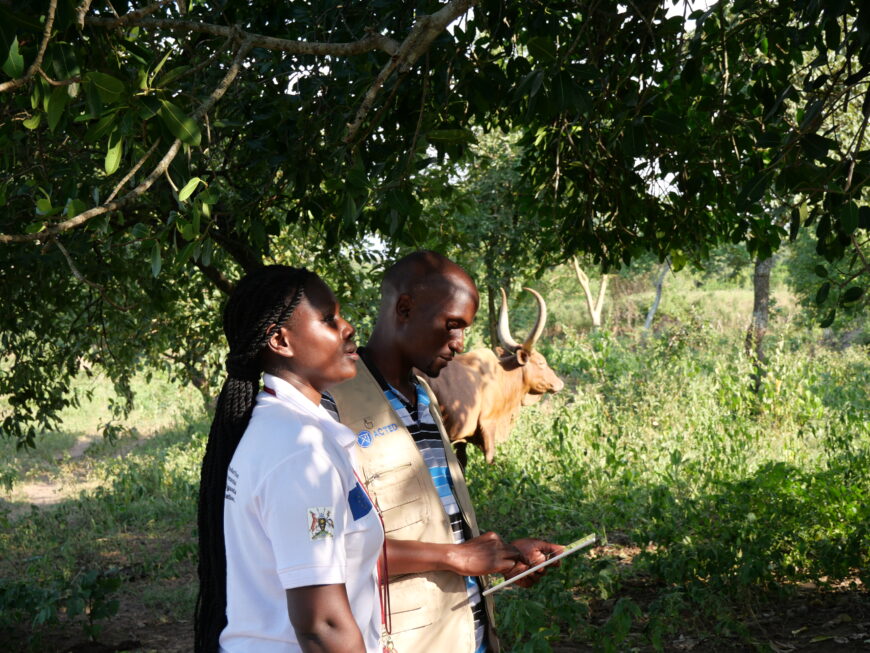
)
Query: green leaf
[
  {"x": 110, "y": 88},
  {"x": 63, "y": 61},
  {"x": 179, "y": 124},
  {"x": 156, "y": 260},
  {"x": 829, "y": 319},
  {"x": 35, "y": 96},
  {"x": 794, "y": 224},
  {"x": 207, "y": 251},
  {"x": 74, "y": 206},
  {"x": 14, "y": 64},
  {"x": 43, "y": 206},
  {"x": 33, "y": 121},
  {"x": 852, "y": 295},
  {"x": 92, "y": 100},
  {"x": 822, "y": 294},
  {"x": 849, "y": 218},
  {"x": 113, "y": 154},
  {"x": 139, "y": 231},
  {"x": 542, "y": 49},
  {"x": 349, "y": 210},
  {"x": 821, "y": 271},
  {"x": 56, "y": 104},
  {"x": 186, "y": 252},
  {"x": 752, "y": 191},
  {"x": 668, "y": 122},
  {"x": 102, "y": 127},
  {"x": 452, "y": 136},
  {"x": 148, "y": 107},
  {"x": 188, "y": 189},
  {"x": 171, "y": 76}
]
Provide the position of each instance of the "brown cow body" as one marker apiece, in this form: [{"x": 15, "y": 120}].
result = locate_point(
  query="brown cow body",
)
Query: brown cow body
[{"x": 480, "y": 393}]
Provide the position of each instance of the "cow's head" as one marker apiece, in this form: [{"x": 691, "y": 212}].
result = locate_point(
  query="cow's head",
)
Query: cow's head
[{"x": 538, "y": 377}]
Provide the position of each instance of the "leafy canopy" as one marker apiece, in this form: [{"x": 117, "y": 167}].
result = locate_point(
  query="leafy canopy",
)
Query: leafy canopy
[{"x": 149, "y": 153}]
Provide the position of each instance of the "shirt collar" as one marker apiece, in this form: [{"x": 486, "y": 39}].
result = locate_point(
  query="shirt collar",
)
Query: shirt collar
[
  {"x": 376, "y": 373},
  {"x": 287, "y": 392}
]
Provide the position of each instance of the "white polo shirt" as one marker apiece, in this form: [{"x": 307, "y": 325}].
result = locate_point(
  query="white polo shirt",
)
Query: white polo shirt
[{"x": 295, "y": 515}]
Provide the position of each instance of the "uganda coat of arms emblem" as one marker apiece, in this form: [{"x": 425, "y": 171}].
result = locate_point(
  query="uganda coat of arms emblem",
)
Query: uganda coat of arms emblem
[{"x": 320, "y": 524}]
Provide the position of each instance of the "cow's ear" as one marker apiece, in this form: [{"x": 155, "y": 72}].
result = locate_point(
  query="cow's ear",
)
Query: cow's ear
[
  {"x": 522, "y": 356},
  {"x": 499, "y": 351}
]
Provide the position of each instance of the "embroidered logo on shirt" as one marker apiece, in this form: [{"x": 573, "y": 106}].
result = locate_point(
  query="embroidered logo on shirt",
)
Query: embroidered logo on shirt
[
  {"x": 320, "y": 524},
  {"x": 359, "y": 502},
  {"x": 383, "y": 430},
  {"x": 364, "y": 439}
]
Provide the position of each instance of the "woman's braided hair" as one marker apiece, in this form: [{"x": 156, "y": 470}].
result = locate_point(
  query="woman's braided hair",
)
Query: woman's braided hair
[{"x": 262, "y": 298}]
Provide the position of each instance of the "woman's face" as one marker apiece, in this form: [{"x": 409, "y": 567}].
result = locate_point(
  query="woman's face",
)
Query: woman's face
[{"x": 320, "y": 343}]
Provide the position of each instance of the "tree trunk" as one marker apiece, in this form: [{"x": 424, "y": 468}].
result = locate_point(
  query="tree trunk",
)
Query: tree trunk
[
  {"x": 754, "y": 344},
  {"x": 594, "y": 306},
  {"x": 663, "y": 270}
]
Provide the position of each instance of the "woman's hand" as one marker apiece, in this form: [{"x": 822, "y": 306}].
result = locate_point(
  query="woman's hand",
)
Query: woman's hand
[{"x": 321, "y": 617}]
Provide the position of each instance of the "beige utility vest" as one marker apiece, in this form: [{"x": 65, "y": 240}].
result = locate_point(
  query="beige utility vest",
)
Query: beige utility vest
[{"x": 430, "y": 611}]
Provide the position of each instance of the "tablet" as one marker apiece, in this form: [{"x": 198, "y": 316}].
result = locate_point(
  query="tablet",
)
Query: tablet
[{"x": 582, "y": 543}]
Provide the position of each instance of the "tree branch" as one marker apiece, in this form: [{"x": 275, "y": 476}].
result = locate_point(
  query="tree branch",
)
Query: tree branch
[
  {"x": 81, "y": 10},
  {"x": 425, "y": 30},
  {"x": 63, "y": 82},
  {"x": 368, "y": 43},
  {"x": 162, "y": 166},
  {"x": 214, "y": 275},
  {"x": 133, "y": 170},
  {"x": 138, "y": 14},
  {"x": 78, "y": 275},
  {"x": 37, "y": 63}
]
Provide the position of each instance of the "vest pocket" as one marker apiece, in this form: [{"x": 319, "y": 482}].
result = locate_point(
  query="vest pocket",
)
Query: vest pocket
[
  {"x": 413, "y": 593},
  {"x": 400, "y": 497}
]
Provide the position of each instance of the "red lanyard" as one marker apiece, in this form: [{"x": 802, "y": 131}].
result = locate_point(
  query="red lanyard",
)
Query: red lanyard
[{"x": 383, "y": 574}]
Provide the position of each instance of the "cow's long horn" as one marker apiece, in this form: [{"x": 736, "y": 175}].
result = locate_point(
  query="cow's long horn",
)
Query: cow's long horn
[
  {"x": 529, "y": 344},
  {"x": 504, "y": 330}
]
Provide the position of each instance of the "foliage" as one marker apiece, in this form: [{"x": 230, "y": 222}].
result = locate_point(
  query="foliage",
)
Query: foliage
[
  {"x": 713, "y": 497},
  {"x": 819, "y": 284},
  {"x": 479, "y": 225},
  {"x": 729, "y": 497},
  {"x": 149, "y": 157},
  {"x": 88, "y": 593}
]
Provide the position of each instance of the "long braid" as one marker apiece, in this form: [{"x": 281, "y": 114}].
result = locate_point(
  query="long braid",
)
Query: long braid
[{"x": 267, "y": 296}]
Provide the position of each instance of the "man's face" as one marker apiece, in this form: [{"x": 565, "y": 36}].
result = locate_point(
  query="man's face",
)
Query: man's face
[{"x": 435, "y": 321}]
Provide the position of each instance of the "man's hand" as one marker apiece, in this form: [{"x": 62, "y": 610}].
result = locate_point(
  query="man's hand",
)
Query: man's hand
[
  {"x": 534, "y": 552},
  {"x": 485, "y": 554}
]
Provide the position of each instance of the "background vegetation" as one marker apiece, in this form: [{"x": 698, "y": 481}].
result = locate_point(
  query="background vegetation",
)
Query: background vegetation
[
  {"x": 725, "y": 511},
  {"x": 152, "y": 152}
]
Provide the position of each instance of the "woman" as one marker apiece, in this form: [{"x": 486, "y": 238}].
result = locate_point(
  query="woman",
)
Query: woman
[{"x": 284, "y": 526}]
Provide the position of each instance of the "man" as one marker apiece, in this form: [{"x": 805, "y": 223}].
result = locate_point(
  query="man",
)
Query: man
[{"x": 427, "y": 302}]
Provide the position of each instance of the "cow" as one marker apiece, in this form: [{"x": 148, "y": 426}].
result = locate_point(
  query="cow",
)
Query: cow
[{"x": 480, "y": 393}]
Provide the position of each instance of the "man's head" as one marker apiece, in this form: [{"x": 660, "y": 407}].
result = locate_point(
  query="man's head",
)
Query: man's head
[{"x": 427, "y": 302}]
